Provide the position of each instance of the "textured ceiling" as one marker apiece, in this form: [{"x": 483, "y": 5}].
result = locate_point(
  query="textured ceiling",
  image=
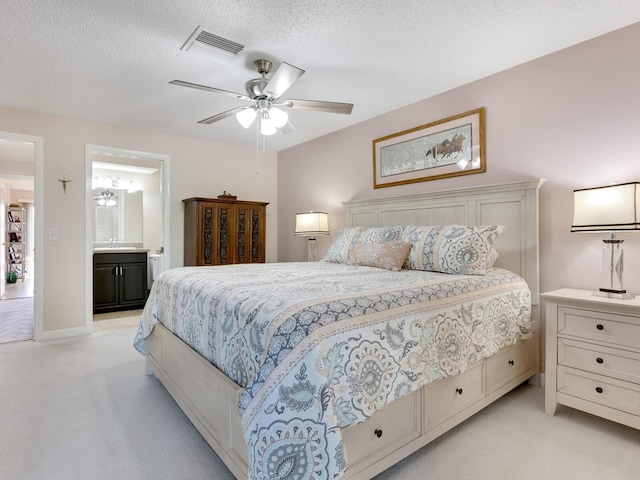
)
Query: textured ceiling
[{"x": 112, "y": 61}]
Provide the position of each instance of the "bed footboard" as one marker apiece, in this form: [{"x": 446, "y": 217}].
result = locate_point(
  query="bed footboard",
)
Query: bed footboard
[{"x": 204, "y": 393}]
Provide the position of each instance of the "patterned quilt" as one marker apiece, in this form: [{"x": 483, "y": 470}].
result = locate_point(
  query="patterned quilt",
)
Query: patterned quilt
[{"x": 319, "y": 346}]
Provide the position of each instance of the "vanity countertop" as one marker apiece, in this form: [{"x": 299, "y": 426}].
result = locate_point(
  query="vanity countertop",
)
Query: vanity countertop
[{"x": 119, "y": 250}]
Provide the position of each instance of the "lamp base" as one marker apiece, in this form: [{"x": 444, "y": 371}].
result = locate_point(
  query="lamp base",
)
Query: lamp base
[
  {"x": 612, "y": 268},
  {"x": 616, "y": 295},
  {"x": 311, "y": 250}
]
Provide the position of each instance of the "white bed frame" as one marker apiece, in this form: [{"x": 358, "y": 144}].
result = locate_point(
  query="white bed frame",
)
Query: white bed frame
[{"x": 209, "y": 398}]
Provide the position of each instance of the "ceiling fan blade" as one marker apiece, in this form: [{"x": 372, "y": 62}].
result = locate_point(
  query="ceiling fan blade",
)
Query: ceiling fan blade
[
  {"x": 285, "y": 76},
  {"x": 222, "y": 116},
  {"x": 288, "y": 127},
  {"x": 331, "y": 107},
  {"x": 209, "y": 89}
]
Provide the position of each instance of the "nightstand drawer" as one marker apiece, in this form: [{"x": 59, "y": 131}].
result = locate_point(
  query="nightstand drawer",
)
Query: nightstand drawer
[
  {"x": 611, "y": 362},
  {"x": 599, "y": 326},
  {"x": 606, "y": 391}
]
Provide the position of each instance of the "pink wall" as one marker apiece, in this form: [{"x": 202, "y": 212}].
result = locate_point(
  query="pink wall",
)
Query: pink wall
[{"x": 572, "y": 117}]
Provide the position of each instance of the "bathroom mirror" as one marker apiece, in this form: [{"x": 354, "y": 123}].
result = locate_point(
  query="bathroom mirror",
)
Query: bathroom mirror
[{"x": 119, "y": 223}]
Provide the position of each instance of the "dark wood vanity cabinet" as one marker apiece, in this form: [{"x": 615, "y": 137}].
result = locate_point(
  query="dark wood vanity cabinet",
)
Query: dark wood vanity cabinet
[
  {"x": 223, "y": 231},
  {"x": 119, "y": 281}
]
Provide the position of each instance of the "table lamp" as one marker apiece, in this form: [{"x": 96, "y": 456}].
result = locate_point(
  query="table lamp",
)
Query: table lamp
[
  {"x": 612, "y": 208},
  {"x": 309, "y": 225}
]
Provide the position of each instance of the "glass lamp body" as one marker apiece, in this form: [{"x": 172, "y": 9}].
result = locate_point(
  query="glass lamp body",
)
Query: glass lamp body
[
  {"x": 613, "y": 267},
  {"x": 311, "y": 250}
]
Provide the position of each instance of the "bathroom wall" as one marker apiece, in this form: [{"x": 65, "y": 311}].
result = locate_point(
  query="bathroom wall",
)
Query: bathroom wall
[{"x": 149, "y": 185}]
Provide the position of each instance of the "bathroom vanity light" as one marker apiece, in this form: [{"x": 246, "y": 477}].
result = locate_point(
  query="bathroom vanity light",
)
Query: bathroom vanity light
[{"x": 117, "y": 183}]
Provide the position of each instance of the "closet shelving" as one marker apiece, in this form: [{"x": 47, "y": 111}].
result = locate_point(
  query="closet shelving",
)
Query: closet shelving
[{"x": 15, "y": 242}]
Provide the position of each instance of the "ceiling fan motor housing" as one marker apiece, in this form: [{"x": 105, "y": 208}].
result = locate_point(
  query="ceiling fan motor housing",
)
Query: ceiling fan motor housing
[{"x": 255, "y": 88}]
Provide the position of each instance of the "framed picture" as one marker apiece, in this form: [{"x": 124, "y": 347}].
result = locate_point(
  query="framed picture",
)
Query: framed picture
[{"x": 447, "y": 148}]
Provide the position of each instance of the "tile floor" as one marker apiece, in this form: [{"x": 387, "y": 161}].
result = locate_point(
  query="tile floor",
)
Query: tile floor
[{"x": 115, "y": 320}]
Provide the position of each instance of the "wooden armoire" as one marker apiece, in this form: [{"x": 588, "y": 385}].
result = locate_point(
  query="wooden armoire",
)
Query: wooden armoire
[{"x": 223, "y": 231}]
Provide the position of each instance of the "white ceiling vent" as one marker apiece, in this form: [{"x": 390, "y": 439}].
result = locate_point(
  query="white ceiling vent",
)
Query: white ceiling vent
[{"x": 216, "y": 48}]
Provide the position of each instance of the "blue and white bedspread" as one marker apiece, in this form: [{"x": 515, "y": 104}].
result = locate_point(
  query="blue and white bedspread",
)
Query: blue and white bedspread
[{"x": 318, "y": 346}]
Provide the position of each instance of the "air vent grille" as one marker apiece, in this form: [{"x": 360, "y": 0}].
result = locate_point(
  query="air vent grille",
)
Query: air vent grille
[
  {"x": 213, "y": 46},
  {"x": 219, "y": 42}
]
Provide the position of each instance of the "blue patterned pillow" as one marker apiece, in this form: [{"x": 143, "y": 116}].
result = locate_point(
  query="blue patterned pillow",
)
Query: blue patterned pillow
[
  {"x": 348, "y": 237},
  {"x": 451, "y": 248}
]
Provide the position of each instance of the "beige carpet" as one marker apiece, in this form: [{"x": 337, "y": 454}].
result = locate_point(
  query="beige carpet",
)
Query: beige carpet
[{"x": 82, "y": 408}]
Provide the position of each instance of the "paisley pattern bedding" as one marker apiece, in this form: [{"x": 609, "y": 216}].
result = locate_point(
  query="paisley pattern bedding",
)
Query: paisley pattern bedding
[{"x": 319, "y": 346}]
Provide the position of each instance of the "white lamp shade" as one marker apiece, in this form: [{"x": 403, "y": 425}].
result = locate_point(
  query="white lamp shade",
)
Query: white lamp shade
[
  {"x": 279, "y": 117},
  {"x": 609, "y": 208},
  {"x": 246, "y": 117},
  {"x": 312, "y": 223}
]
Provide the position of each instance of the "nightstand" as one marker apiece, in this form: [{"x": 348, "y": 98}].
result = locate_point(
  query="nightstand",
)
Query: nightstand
[{"x": 593, "y": 355}]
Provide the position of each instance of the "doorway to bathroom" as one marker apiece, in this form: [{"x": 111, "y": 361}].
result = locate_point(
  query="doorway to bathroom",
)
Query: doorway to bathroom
[{"x": 127, "y": 218}]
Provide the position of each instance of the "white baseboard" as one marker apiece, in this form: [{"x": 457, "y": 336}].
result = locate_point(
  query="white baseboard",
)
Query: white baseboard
[{"x": 62, "y": 333}]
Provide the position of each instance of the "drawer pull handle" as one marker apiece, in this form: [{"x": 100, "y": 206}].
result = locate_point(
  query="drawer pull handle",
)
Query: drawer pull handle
[
  {"x": 378, "y": 433},
  {"x": 511, "y": 362},
  {"x": 599, "y": 360},
  {"x": 459, "y": 391},
  {"x": 599, "y": 389},
  {"x": 600, "y": 326}
]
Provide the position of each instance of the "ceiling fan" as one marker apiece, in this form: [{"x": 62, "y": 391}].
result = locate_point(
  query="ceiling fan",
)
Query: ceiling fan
[{"x": 265, "y": 94}]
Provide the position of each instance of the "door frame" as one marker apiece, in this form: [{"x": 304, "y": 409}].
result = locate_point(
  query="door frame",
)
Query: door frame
[
  {"x": 38, "y": 237},
  {"x": 165, "y": 161}
]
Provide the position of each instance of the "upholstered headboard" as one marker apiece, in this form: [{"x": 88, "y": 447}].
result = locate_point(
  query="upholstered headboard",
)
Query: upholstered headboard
[{"x": 514, "y": 205}]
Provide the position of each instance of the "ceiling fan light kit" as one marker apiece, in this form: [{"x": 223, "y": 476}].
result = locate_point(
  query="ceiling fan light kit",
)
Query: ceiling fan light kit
[
  {"x": 106, "y": 199},
  {"x": 265, "y": 94},
  {"x": 267, "y": 127},
  {"x": 246, "y": 116},
  {"x": 279, "y": 117}
]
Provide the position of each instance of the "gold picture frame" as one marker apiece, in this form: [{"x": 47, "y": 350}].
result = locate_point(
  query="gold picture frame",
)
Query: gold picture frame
[{"x": 446, "y": 148}]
